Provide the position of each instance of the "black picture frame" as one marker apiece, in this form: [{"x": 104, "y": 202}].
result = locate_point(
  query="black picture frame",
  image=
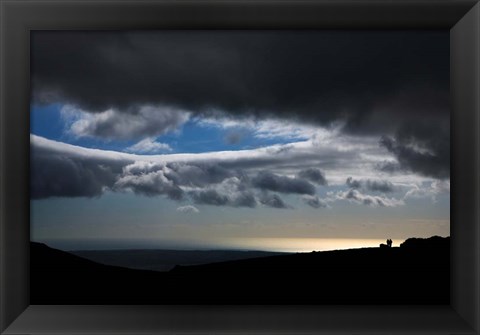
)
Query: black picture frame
[{"x": 18, "y": 17}]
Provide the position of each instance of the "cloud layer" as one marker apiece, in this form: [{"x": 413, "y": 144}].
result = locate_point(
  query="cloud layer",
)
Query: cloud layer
[
  {"x": 143, "y": 84},
  {"x": 62, "y": 170}
]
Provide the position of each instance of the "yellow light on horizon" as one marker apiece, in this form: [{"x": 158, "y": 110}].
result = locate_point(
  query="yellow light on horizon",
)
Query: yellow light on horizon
[{"x": 287, "y": 244}]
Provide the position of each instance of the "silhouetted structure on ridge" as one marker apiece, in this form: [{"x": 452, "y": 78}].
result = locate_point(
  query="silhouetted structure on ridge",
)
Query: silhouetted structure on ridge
[{"x": 388, "y": 245}]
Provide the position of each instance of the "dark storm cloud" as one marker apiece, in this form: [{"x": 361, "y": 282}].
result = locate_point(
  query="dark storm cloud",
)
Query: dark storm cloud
[
  {"x": 360, "y": 77},
  {"x": 197, "y": 174},
  {"x": 376, "y": 82},
  {"x": 314, "y": 175},
  {"x": 58, "y": 174},
  {"x": 374, "y": 185},
  {"x": 265, "y": 180},
  {"x": 422, "y": 149}
]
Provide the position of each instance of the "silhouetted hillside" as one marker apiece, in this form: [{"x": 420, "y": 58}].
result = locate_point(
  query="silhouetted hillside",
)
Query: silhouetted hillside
[
  {"x": 58, "y": 277},
  {"x": 165, "y": 260},
  {"x": 404, "y": 275},
  {"x": 433, "y": 243}
]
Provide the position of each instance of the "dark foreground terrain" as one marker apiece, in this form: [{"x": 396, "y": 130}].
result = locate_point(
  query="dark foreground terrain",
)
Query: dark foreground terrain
[{"x": 415, "y": 273}]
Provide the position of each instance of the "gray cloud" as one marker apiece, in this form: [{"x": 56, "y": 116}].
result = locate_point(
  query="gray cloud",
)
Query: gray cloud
[
  {"x": 188, "y": 209},
  {"x": 245, "y": 199},
  {"x": 380, "y": 186},
  {"x": 352, "y": 183},
  {"x": 268, "y": 181},
  {"x": 273, "y": 200},
  {"x": 314, "y": 175},
  {"x": 65, "y": 170},
  {"x": 137, "y": 122},
  {"x": 215, "y": 198},
  {"x": 388, "y": 167},
  {"x": 209, "y": 197},
  {"x": 315, "y": 201},
  {"x": 374, "y": 185},
  {"x": 368, "y": 200},
  {"x": 434, "y": 189},
  {"x": 151, "y": 184},
  {"x": 214, "y": 185},
  {"x": 153, "y": 179}
]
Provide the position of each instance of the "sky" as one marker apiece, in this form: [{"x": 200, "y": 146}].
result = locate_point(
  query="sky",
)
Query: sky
[{"x": 266, "y": 140}]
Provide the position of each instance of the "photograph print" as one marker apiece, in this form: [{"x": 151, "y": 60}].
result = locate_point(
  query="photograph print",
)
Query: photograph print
[{"x": 240, "y": 167}]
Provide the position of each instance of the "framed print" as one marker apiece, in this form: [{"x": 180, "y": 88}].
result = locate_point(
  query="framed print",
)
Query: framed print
[
  {"x": 184, "y": 164},
  {"x": 240, "y": 167}
]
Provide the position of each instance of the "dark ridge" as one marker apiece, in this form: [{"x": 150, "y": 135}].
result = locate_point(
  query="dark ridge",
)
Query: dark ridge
[
  {"x": 434, "y": 242},
  {"x": 416, "y": 273}
]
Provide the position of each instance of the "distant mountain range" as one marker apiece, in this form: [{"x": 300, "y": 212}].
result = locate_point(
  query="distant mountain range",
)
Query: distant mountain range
[
  {"x": 165, "y": 260},
  {"x": 416, "y": 273}
]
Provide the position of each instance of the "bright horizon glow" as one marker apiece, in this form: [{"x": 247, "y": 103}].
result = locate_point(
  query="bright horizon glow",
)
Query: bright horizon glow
[
  {"x": 306, "y": 244},
  {"x": 270, "y": 244}
]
